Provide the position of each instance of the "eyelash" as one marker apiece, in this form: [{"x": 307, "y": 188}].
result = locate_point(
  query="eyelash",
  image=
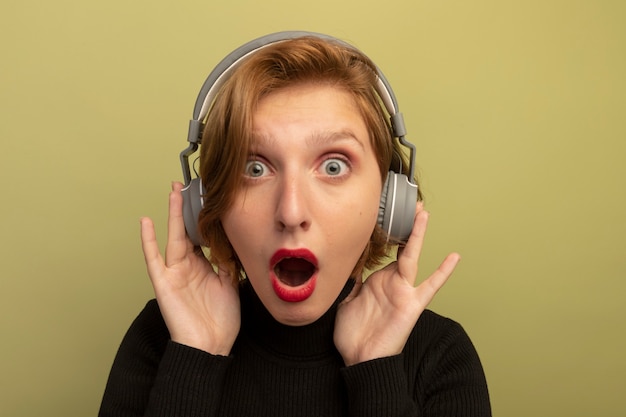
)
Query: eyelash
[
  {"x": 249, "y": 164},
  {"x": 345, "y": 161}
]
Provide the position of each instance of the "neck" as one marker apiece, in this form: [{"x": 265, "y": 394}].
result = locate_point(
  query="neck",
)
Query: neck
[{"x": 310, "y": 341}]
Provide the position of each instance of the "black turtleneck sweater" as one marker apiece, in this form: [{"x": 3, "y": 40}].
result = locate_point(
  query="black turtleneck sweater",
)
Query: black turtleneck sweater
[{"x": 277, "y": 370}]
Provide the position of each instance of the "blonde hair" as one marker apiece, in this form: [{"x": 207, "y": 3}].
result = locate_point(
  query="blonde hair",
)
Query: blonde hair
[{"x": 227, "y": 136}]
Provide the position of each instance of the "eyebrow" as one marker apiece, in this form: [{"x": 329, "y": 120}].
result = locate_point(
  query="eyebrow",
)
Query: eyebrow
[
  {"x": 328, "y": 137},
  {"x": 317, "y": 138}
]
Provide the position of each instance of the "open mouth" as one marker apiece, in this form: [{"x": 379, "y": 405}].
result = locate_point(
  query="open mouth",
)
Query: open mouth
[{"x": 294, "y": 272}]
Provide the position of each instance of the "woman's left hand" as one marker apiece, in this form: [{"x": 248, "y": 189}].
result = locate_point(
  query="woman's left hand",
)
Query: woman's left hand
[{"x": 378, "y": 316}]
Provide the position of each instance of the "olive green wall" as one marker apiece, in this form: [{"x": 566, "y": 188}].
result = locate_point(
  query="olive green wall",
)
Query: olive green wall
[{"x": 518, "y": 112}]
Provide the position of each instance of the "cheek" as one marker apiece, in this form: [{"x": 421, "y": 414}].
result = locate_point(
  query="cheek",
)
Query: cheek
[
  {"x": 238, "y": 225},
  {"x": 231, "y": 222},
  {"x": 247, "y": 225},
  {"x": 245, "y": 210},
  {"x": 369, "y": 206},
  {"x": 353, "y": 224}
]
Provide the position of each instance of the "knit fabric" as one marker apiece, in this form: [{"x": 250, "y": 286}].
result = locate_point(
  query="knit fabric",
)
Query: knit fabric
[{"x": 278, "y": 370}]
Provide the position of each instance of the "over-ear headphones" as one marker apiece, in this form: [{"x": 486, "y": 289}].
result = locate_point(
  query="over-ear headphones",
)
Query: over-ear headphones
[{"x": 399, "y": 193}]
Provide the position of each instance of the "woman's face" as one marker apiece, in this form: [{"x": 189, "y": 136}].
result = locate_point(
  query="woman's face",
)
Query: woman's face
[{"x": 309, "y": 202}]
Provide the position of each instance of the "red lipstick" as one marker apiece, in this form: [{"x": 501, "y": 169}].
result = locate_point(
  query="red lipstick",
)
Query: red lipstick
[{"x": 294, "y": 274}]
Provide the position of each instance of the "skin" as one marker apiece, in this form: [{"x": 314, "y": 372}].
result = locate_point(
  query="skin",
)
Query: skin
[
  {"x": 302, "y": 133},
  {"x": 312, "y": 183}
]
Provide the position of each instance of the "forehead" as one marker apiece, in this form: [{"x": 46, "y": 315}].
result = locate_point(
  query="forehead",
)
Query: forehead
[{"x": 320, "y": 113}]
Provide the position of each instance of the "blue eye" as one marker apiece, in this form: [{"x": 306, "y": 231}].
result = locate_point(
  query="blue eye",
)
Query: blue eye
[
  {"x": 255, "y": 169},
  {"x": 334, "y": 167}
]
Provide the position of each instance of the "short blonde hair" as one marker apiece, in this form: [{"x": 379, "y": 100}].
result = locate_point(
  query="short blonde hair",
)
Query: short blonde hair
[{"x": 227, "y": 136}]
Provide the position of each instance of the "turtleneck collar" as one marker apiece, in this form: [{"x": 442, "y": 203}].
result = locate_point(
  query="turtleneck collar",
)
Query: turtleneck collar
[{"x": 312, "y": 341}]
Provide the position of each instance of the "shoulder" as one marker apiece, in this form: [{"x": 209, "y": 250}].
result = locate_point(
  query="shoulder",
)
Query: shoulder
[
  {"x": 148, "y": 333},
  {"x": 432, "y": 328},
  {"x": 437, "y": 339},
  {"x": 150, "y": 318},
  {"x": 440, "y": 345}
]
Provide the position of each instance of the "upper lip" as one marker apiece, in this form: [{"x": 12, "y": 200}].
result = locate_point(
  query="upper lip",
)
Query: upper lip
[{"x": 301, "y": 253}]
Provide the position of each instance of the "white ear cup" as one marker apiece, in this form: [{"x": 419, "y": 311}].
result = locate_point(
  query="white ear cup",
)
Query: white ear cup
[
  {"x": 192, "y": 204},
  {"x": 397, "y": 207}
]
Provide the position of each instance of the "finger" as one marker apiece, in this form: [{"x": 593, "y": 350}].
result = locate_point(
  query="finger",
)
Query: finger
[
  {"x": 408, "y": 257},
  {"x": 419, "y": 207},
  {"x": 427, "y": 289},
  {"x": 150, "y": 248},
  {"x": 178, "y": 244}
]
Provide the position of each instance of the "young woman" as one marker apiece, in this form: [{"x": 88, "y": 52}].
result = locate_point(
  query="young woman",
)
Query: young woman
[{"x": 275, "y": 320}]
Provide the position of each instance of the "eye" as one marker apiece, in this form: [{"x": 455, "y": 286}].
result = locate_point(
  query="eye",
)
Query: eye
[
  {"x": 256, "y": 169},
  {"x": 334, "y": 167}
]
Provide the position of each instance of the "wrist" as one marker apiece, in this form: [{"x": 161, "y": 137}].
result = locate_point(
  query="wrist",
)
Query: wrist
[
  {"x": 361, "y": 357},
  {"x": 211, "y": 347}
]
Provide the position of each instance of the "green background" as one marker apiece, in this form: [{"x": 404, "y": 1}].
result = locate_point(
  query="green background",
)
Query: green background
[{"x": 517, "y": 109}]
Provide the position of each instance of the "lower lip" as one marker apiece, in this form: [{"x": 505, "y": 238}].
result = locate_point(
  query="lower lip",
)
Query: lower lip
[
  {"x": 293, "y": 294},
  {"x": 288, "y": 293}
]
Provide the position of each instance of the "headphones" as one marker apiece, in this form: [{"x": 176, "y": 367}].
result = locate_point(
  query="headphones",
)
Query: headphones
[{"x": 399, "y": 193}]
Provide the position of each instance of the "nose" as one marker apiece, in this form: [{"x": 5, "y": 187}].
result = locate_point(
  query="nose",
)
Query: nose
[{"x": 292, "y": 208}]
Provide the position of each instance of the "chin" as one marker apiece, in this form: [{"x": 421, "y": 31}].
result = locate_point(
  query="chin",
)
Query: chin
[{"x": 298, "y": 314}]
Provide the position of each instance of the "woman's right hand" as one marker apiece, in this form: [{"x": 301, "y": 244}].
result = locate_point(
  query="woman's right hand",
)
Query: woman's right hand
[{"x": 201, "y": 308}]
